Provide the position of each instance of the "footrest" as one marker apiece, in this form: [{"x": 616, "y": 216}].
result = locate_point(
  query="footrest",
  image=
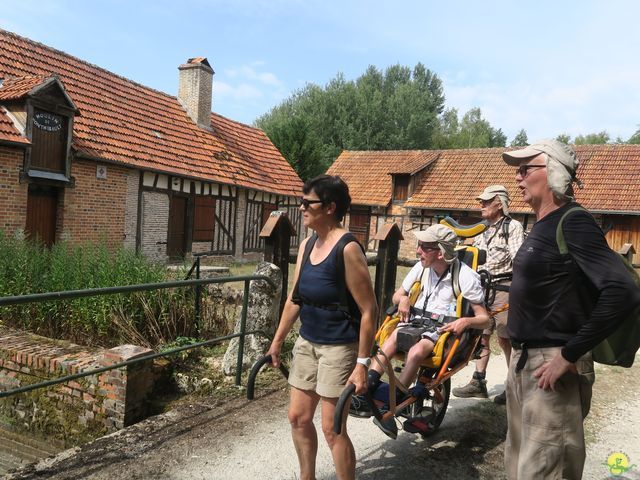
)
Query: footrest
[{"x": 420, "y": 424}]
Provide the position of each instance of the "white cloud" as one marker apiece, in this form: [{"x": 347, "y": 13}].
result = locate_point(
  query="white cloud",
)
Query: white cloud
[
  {"x": 248, "y": 72},
  {"x": 242, "y": 91}
]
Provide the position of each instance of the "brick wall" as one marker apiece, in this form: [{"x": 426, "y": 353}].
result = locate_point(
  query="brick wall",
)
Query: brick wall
[
  {"x": 13, "y": 194},
  {"x": 87, "y": 407},
  {"x": 155, "y": 221},
  {"x": 131, "y": 209},
  {"x": 94, "y": 210}
]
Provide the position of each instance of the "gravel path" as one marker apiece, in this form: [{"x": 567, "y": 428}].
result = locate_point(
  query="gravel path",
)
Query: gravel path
[{"x": 251, "y": 440}]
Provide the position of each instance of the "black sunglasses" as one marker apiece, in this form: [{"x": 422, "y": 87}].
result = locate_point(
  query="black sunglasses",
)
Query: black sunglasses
[
  {"x": 425, "y": 247},
  {"x": 523, "y": 170},
  {"x": 304, "y": 202}
]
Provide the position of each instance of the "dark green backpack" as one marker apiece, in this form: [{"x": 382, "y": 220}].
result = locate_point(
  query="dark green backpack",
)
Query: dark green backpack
[{"x": 620, "y": 347}]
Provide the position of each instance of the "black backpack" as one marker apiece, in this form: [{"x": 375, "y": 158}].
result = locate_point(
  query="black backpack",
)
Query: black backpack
[{"x": 346, "y": 304}]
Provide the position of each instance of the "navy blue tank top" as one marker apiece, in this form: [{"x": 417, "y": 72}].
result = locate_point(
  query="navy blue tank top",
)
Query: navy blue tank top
[{"x": 319, "y": 286}]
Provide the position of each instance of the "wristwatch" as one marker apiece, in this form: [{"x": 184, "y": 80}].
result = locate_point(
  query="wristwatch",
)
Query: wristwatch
[{"x": 366, "y": 361}]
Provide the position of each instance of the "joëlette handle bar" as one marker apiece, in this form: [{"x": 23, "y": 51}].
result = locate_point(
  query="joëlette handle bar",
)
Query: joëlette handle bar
[
  {"x": 345, "y": 397},
  {"x": 254, "y": 372}
]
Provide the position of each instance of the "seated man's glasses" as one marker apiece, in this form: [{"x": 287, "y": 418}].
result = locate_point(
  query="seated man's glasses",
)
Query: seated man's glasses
[
  {"x": 304, "y": 202},
  {"x": 523, "y": 170},
  {"x": 425, "y": 247}
]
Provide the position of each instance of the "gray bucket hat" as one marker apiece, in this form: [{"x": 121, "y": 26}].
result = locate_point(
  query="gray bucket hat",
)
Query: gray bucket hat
[
  {"x": 443, "y": 236},
  {"x": 561, "y": 161},
  {"x": 499, "y": 191}
]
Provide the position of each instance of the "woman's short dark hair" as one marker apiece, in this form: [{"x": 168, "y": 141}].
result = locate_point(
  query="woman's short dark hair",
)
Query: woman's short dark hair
[{"x": 330, "y": 189}]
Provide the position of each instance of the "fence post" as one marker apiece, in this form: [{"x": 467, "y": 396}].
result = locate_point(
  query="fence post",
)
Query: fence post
[
  {"x": 243, "y": 329},
  {"x": 627, "y": 251},
  {"x": 277, "y": 232},
  {"x": 198, "y": 299},
  {"x": 389, "y": 237}
]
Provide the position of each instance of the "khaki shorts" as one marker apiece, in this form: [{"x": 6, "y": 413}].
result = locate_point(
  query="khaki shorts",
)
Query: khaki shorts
[
  {"x": 323, "y": 369},
  {"x": 500, "y": 327}
]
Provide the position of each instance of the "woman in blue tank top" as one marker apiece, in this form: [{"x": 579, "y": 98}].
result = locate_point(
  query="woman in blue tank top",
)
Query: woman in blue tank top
[{"x": 333, "y": 347}]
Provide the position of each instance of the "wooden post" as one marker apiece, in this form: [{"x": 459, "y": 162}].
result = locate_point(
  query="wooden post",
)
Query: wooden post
[
  {"x": 627, "y": 251},
  {"x": 389, "y": 237},
  {"x": 277, "y": 232}
]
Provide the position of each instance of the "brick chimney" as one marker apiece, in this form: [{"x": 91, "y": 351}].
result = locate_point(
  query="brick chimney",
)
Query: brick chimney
[{"x": 195, "y": 89}]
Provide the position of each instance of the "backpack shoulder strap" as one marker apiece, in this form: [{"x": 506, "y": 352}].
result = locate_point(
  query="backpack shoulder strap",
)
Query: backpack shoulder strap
[
  {"x": 342, "y": 281},
  {"x": 455, "y": 277},
  {"x": 505, "y": 229},
  {"x": 562, "y": 244},
  {"x": 295, "y": 296}
]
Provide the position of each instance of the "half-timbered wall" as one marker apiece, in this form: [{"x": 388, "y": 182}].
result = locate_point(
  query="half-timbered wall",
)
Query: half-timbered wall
[{"x": 202, "y": 219}]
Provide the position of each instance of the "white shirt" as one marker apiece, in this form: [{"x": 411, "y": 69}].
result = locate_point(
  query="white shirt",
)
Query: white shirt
[{"x": 442, "y": 299}]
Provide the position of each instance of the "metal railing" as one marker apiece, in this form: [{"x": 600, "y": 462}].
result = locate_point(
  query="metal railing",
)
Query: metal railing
[{"x": 196, "y": 283}]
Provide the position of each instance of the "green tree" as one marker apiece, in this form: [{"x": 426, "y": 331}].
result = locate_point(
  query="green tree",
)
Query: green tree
[
  {"x": 564, "y": 138},
  {"x": 381, "y": 110},
  {"x": 635, "y": 138},
  {"x": 592, "y": 139},
  {"x": 520, "y": 140},
  {"x": 472, "y": 131}
]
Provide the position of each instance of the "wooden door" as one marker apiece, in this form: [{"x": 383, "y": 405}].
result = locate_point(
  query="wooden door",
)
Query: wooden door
[
  {"x": 42, "y": 205},
  {"x": 176, "y": 236},
  {"x": 359, "y": 220}
]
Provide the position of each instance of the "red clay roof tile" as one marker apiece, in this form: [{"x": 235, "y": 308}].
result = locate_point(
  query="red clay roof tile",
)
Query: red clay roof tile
[
  {"x": 126, "y": 122},
  {"x": 8, "y": 131},
  {"x": 610, "y": 173}
]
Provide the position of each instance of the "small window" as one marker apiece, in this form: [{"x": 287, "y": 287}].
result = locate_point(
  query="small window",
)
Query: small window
[
  {"x": 203, "y": 219},
  {"x": 400, "y": 188}
]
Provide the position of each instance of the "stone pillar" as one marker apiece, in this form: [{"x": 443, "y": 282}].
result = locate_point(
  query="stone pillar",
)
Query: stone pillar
[
  {"x": 262, "y": 314},
  {"x": 125, "y": 390}
]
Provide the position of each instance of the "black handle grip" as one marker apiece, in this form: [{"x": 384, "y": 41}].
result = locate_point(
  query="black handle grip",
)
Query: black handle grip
[
  {"x": 345, "y": 396},
  {"x": 251, "y": 381}
]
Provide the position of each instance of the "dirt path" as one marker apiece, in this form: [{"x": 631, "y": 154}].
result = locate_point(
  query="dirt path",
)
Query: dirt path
[{"x": 250, "y": 440}]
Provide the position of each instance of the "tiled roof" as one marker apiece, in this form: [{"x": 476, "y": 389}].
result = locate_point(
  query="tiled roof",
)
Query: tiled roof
[
  {"x": 610, "y": 173},
  {"x": 368, "y": 173},
  {"x": 8, "y": 131},
  {"x": 414, "y": 162},
  {"x": 128, "y": 123},
  {"x": 611, "y": 177},
  {"x": 14, "y": 88}
]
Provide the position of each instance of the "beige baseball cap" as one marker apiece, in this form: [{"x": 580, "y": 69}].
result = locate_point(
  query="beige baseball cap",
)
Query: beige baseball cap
[
  {"x": 443, "y": 236},
  {"x": 561, "y": 161},
  {"x": 496, "y": 191}
]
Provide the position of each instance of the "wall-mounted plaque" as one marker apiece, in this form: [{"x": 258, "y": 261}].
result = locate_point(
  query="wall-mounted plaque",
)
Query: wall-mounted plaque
[{"x": 101, "y": 172}]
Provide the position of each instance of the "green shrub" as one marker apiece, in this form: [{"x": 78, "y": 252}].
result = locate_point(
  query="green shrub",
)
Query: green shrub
[{"x": 147, "y": 318}]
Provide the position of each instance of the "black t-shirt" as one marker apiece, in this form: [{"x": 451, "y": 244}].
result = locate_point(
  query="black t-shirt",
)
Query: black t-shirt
[{"x": 575, "y": 300}]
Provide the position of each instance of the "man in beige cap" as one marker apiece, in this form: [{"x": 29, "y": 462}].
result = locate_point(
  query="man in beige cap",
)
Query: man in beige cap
[
  {"x": 501, "y": 241},
  {"x": 436, "y": 247},
  {"x": 560, "y": 307}
]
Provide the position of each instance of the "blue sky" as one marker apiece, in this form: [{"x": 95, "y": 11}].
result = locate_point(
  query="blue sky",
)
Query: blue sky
[{"x": 549, "y": 67}]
